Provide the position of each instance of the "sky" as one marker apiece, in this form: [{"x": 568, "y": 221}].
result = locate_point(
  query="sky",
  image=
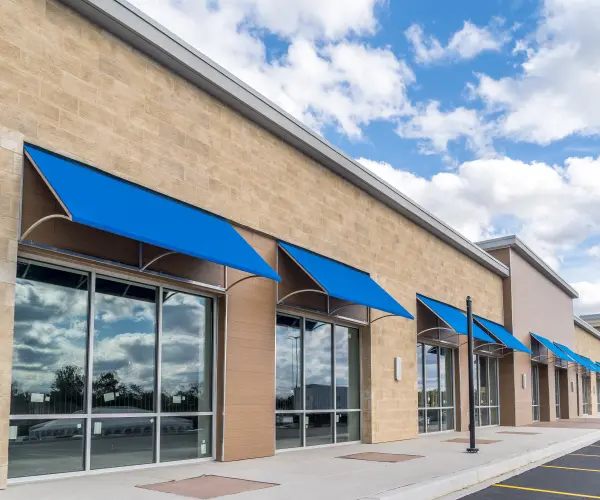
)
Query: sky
[{"x": 484, "y": 113}]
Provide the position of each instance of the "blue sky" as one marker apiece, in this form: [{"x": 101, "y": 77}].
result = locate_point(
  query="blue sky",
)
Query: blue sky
[{"x": 485, "y": 113}]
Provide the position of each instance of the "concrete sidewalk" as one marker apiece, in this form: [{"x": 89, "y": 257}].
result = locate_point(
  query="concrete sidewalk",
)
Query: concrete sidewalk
[{"x": 319, "y": 473}]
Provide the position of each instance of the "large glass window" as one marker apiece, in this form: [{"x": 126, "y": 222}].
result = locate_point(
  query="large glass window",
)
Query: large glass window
[
  {"x": 485, "y": 372},
  {"x": 317, "y": 383},
  {"x": 50, "y": 335},
  {"x": 101, "y": 388},
  {"x": 435, "y": 366},
  {"x": 186, "y": 374},
  {"x": 124, "y": 347}
]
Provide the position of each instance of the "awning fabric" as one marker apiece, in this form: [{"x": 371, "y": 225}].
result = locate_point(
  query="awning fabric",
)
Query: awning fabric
[
  {"x": 105, "y": 202},
  {"x": 591, "y": 364},
  {"x": 576, "y": 357},
  {"x": 548, "y": 344},
  {"x": 503, "y": 335},
  {"x": 344, "y": 282},
  {"x": 454, "y": 318}
]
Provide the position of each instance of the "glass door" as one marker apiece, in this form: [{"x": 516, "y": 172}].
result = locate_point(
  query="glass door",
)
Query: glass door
[
  {"x": 435, "y": 382},
  {"x": 586, "y": 394},
  {"x": 317, "y": 383},
  {"x": 598, "y": 392},
  {"x": 557, "y": 391},
  {"x": 535, "y": 392},
  {"x": 487, "y": 409}
]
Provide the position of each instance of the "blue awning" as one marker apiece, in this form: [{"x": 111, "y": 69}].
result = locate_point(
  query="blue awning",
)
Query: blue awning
[
  {"x": 344, "y": 282},
  {"x": 548, "y": 344},
  {"x": 105, "y": 202},
  {"x": 503, "y": 335},
  {"x": 454, "y": 318},
  {"x": 592, "y": 366},
  {"x": 576, "y": 357}
]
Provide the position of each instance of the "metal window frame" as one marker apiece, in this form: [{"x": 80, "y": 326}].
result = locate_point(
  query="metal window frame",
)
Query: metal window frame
[
  {"x": 425, "y": 408},
  {"x": 334, "y": 411},
  {"x": 88, "y": 416}
]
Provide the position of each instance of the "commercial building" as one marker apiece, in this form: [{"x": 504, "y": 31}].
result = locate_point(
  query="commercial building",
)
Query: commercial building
[{"x": 188, "y": 273}]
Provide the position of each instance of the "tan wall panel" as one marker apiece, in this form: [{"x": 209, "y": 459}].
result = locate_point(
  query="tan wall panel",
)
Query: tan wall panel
[
  {"x": 250, "y": 358},
  {"x": 11, "y": 149}
]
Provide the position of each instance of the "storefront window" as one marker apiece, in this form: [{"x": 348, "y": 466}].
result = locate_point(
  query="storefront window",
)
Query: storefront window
[
  {"x": 317, "y": 383},
  {"x": 121, "y": 419},
  {"x": 436, "y": 409}
]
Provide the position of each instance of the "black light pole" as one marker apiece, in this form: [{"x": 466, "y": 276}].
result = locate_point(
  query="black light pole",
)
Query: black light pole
[{"x": 471, "y": 448}]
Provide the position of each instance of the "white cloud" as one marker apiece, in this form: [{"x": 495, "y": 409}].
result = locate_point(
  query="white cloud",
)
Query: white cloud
[
  {"x": 589, "y": 297},
  {"x": 319, "y": 76},
  {"x": 331, "y": 19},
  {"x": 554, "y": 208},
  {"x": 437, "y": 128},
  {"x": 555, "y": 94},
  {"x": 593, "y": 251},
  {"x": 466, "y": 43}
]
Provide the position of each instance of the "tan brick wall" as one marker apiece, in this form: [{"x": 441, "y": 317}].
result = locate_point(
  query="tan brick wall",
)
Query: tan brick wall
[
  {"x": 11, "y": 149},
  {"x": 72, "y": 88},
  {"x": 589, "y": 346}
]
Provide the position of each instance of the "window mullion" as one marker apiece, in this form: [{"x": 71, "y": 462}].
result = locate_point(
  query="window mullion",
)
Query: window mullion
[
  {"x": 157, "y": 371},
  {"x": 334, "y": 383},
  {"x": 89, "y": 371}
]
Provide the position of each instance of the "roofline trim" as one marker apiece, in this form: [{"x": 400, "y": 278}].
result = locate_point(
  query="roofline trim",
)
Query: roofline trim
[
  {"x": 531, "y": 257},
  {"x": 586, "y": 326},
  {"x": 141, "y": 32}
]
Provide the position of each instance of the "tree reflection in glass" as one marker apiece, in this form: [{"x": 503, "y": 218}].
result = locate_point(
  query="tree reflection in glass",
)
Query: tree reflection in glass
[
  {"x": 49, "y": 340},
  {"x": 186, "y": 382},
  {"x": 124, "y": 347}
]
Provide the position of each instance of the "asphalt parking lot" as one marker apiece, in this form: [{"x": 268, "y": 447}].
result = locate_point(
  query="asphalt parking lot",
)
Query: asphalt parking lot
[{"x": 576, "y": 475}]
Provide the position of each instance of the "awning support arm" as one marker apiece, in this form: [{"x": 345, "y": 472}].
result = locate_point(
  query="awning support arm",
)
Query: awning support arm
[
  {"x": 381, "y": 317},
  {"x": 42, "y": 220},
  {"x": 242, "y": 279},
  {"x": 299, "y": 291},
  {"x": 157, "y": 258}
]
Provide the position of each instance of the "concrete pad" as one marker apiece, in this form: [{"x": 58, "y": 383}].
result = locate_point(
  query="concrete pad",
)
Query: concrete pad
[{"x": 204, "y": 487}]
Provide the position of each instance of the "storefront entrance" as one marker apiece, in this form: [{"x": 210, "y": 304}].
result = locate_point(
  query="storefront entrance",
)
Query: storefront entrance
[
  {"x": 535, "y": 392},
  {"x": 317, "y": 383},
  {"x": 487, "y": 408},
  {"x": 586, "y": 393}
]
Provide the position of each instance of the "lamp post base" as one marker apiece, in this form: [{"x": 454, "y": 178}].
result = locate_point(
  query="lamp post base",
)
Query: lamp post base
[{"x": 472, "y": 450}]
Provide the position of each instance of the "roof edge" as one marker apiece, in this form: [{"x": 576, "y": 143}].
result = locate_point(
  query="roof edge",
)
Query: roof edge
[
  {"x": 586, "y": 326},
  {"x": 124, "y": 21},
  {"x": 531, "y": 257}
]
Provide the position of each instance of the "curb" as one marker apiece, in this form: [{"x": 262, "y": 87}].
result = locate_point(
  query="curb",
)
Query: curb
[{"x": 452, "y": 483}]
